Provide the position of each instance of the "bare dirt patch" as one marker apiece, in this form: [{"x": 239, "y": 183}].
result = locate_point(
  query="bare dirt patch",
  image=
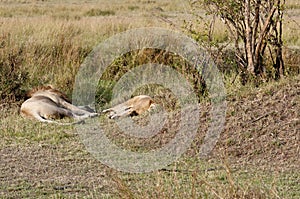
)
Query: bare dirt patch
[
  {"x": 32, "y": 171},
  {"x": 262, "y": 128}
]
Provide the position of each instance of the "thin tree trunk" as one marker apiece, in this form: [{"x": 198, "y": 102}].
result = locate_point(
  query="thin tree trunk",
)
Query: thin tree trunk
[
  {"x": 249, "y": 52},
  {"x": 256, "y": 22},
  {"x": 264, "y": 31},
  {"x": 279, "y": 64}
]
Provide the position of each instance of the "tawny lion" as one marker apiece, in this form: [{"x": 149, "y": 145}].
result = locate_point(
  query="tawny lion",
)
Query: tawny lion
[
  {"x": 134, "y": 106},
  {"x": 46, "y": 103}
]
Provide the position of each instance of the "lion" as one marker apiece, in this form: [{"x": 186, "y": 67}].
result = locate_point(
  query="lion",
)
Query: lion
[
  {"x": 132, "y": 107},
  {"x": 45, "y": 103}
]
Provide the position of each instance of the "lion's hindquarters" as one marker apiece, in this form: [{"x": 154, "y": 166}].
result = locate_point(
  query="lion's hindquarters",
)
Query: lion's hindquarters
[
  {"x": 43, "y": 107},
  {"x": 46, "y": 103}
]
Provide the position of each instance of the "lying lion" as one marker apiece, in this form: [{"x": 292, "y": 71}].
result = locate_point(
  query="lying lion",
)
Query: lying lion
[
  {"x": 46, "y": 103},
  {"x": 134, "y": 106}
]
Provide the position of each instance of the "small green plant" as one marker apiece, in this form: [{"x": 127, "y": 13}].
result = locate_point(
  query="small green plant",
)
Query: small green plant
[
  {"x": 133, "y": 7},
  {"x": 104, "y": 93},
  {"x": 98, "y": 12}
]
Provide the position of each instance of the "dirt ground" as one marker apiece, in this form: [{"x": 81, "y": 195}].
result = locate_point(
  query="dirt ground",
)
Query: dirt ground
[{"x": 263, "y": 128}]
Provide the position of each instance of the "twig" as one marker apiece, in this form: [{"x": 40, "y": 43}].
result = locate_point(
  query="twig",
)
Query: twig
[
  {"x": 166, "y": 21},
  {"x": 190, "y": 171},
  {"x": 262, "y": 116}
]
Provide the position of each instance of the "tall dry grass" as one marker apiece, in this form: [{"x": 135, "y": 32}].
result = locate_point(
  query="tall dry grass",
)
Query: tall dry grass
[
  {"x": 45, "y": 42},
  {"x": 46, "y": 45}
]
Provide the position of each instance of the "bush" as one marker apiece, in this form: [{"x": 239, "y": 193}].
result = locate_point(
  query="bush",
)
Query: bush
[
  {"x": 12, "y": 77},
  {"x": 130, "y": 60}
]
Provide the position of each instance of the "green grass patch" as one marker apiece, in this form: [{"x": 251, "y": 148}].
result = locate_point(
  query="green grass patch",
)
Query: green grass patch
[{"x": 98, "y": 12}]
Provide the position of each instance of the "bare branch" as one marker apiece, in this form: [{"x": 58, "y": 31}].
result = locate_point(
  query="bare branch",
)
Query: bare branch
[{"x": 264, "y": 31}]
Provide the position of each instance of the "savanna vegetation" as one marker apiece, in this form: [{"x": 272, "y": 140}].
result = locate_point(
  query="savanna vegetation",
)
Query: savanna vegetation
[{"x": 46, "y": 41}]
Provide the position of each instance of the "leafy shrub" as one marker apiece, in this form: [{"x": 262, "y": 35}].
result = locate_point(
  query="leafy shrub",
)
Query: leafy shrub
[
  {"x": 130, "y": 60},
  {"x": 104, "y": 93},
  {"x": 12, "y": 77}
]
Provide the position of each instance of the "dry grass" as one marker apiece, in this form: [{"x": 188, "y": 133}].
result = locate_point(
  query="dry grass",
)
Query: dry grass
[
  {"x": 256, "y": 157},
  {"x": 45, "y": 42},
  {"x": 51, "y": 39}
]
